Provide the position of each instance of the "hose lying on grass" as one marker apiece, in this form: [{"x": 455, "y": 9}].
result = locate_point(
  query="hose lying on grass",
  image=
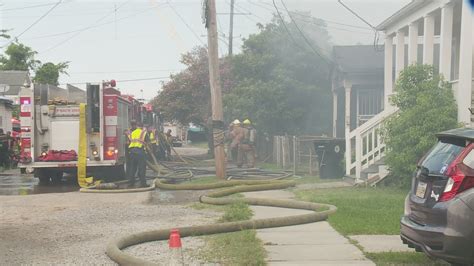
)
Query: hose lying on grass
[{"x": 320, "y": 213}]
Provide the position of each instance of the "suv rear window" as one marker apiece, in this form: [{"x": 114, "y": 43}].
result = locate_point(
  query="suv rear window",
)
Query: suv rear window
[{"x": 441, "y": 155}]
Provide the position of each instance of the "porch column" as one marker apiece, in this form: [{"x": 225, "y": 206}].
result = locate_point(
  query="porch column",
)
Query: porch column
[
  {"x": 465, "y": 65},
  {"x": 334, "y": 114},
  {"x": 446, "y": 40},
  {"x": 428, "y": 39},
  {"x": 347, "y": 118},
  {"x": 413, "y": 43},
  {"x": 388, "y": 70},
  {"x": 400, "y": 53}
]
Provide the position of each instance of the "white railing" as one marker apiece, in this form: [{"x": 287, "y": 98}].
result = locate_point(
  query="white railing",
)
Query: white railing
[{"x": 364, "y": 145}]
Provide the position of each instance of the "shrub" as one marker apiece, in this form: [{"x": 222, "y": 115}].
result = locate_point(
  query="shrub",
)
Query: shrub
[{"x": 426, "y": 107}]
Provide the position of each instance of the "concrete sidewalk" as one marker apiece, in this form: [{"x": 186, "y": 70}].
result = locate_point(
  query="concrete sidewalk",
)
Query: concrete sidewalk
[{"x": 308, "y": 244}]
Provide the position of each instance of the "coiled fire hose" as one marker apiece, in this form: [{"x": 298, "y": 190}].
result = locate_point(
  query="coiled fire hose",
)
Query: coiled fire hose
[{"x": 320, "y": 213}]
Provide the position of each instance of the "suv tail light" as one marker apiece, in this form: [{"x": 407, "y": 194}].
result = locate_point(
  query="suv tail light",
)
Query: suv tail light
[{"x": 461, "y": 177}]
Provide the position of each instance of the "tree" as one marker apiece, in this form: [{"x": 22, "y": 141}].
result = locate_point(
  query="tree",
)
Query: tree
[
  {"x": 18, "y": 57},
  {"x": 48, "y": 73},
  {"x": 426, "y": 107},
  {"x": 281, "y": 84},
  {"x": 278, "y": 81},
  {"x": 186, "y": 97}
]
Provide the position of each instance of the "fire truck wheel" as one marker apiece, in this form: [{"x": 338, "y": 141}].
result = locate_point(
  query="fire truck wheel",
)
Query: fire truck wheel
[
  {"x": 42, "y": 175},
  {"x": 56, "y": 177}
]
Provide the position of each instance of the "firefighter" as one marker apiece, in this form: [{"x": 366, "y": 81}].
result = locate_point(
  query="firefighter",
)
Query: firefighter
[
  {"x": 237, "y": 135},
  {"x": 162, "y": 146},
  {"x": 152, "y": 140},
  {"x": 247, "y": 145},
  {"x": 137, "y": 156},
  {"x": 169, "y": 140},
  {"x": 4, "y": 149}
]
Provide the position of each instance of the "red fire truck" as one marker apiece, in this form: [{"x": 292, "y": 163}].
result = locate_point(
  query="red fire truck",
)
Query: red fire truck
[{"x": 49, "y": 138}]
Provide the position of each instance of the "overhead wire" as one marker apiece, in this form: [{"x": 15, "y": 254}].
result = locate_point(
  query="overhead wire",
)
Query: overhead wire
[
  {"x": 84, "y": 29},
  {"x": 259, "y": 4},
  {"x": 376, "y": 31},
  {"x": 329, "y": 26},
  {"x": 304, "y": 36},
  {"x": 186, "y": 24},
  {"x": 333, "y": 22},
  {"x": 33, "y": 24},
  {"x": 122, "y": 80},
  {"x": 97, "y": 25},
  {"x": 27, "y": 7}
]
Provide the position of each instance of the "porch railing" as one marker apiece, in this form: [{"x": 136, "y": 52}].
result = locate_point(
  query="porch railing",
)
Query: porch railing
[{"x": 364, "y": 145}]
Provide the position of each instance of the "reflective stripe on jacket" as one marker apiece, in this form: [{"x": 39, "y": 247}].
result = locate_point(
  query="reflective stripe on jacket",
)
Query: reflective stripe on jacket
[
  {"x": 137, "y": 138},
  {"x": 152, "y": 137}
]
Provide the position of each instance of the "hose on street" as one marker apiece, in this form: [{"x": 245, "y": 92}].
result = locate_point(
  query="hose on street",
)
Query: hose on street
[{"x": 319, "y": 212}]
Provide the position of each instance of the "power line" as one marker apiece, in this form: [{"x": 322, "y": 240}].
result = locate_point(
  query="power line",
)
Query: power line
[
  {"x": 95, "y": 26},
  {"x": 331, "y": 27},
  {"x": 82, "y": 30},
  {"x": 357, "y": 15},
  {"x": 122, "y": 80},
  {"x": 186, "y": 24},
  {"x": 332, "y": 22},
  {"x": 124, "y": 71},
  {"x": 302, "y": 35},
  {"x": 323, "y": 19},
  {"x": 34, "y": 23},
  {"x": 284, "y": 25},
  {"x": 376, "y": 32},
  {"x": 27, "y": 7}
]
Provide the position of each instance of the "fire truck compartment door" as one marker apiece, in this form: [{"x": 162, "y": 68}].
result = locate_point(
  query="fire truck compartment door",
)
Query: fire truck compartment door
[{"x": 65, "y": 135}]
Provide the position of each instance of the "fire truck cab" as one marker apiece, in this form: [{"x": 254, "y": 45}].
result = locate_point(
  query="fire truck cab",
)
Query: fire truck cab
[{"x": 49, "y": 119}]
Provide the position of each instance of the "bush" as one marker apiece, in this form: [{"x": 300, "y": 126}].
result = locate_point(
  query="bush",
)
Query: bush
[{"x": 426, "y": 107}]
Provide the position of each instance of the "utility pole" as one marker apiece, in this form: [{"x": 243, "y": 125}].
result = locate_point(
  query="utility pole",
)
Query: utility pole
[
  {"x": 231, "y": 26},
  {"x": 216, "y": 95}
]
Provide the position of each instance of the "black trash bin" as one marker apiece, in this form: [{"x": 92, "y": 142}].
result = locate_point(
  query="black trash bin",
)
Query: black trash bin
[{"x": 330, "y": 153}]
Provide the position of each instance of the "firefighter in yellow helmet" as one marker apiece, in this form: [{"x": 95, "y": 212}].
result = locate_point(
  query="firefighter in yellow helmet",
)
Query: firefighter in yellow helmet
[
  {"x": 137, "y": 156},
  {"x": 247, "y": 145}
]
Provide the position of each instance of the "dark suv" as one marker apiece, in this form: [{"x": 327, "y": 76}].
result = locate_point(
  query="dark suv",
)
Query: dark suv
[{"x": 439, "y": 210}]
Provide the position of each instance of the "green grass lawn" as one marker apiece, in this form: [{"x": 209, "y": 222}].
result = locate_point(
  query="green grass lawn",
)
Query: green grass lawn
[
  {"x": 236, "y": 248},
  {"x": 361, "y": 210},
  {"x": 366, "y": 211},
  {"x": 402, "y": 258}
]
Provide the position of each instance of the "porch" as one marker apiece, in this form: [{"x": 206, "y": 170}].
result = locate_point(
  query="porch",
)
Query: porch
[{"x": 438, "y": 33}]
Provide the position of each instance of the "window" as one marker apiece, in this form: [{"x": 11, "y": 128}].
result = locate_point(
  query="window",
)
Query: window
[
  {"x": 440, "y": 156},
  {"x": 469, "y": 159}
]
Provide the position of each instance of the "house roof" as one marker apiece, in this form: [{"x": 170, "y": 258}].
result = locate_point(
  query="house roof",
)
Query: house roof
[
  {"x": 15, "y": 80},
  {"x": 400, "y": 14},
  {"x": 5, "y": 100},
  {"x": 358, "y": 58}
]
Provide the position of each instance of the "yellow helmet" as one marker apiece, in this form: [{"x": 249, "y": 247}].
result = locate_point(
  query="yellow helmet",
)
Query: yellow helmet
[
  {"x": 247, "y": 122},
  {"x": 236, "y": 122}
]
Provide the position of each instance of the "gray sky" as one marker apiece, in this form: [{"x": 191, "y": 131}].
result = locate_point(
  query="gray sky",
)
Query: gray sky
[{"x": 138, "y": 39}]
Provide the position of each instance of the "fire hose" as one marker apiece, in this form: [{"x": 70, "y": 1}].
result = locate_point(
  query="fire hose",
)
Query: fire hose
[
  {"x": 238, "y": 184},
  {"x": 320, "y": 213}
]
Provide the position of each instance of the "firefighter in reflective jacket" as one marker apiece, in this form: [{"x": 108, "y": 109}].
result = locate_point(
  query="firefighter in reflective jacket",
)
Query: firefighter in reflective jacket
[
  {"x": 153, "y": 141},
  {"x": 137, "y": 156}
]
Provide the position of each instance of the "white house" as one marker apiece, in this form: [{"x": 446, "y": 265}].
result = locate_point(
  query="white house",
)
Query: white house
[
  {"x": 5, "y": 114},
  {"x": 437, "y": 32},
  {"x": 12, "y": 82}
]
